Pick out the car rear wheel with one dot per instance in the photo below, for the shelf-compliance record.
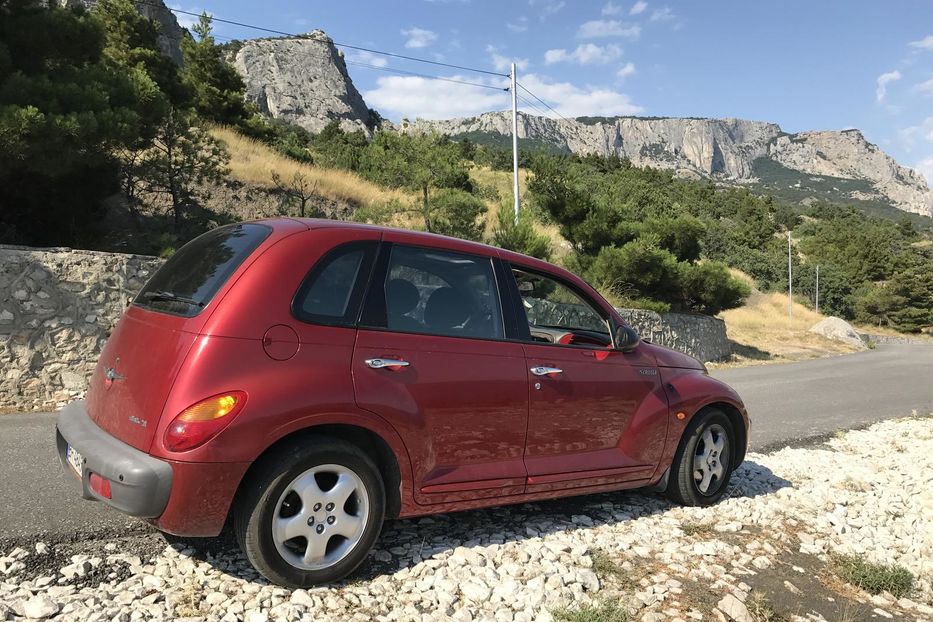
(311, 513)
(702, 466)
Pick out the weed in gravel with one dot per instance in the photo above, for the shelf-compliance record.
(696, 529)
(873, 578)
(189, 604)
(604, 566)
(761, 609)
(607, 611)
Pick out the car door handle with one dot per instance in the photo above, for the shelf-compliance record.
(390, 364)
(546, 371)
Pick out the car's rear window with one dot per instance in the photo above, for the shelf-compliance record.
(190, 279)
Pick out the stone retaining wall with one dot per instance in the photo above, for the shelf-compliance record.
(58, 306)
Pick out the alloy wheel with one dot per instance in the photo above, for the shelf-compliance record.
(320, 517)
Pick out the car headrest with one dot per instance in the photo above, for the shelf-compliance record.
(446, 309)
(401, 296)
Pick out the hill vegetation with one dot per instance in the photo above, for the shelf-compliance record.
(96, 111)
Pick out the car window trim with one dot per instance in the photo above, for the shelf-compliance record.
(523, 317)
(364, 274)
(374, 314)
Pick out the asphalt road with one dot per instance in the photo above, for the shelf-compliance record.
(787, 403)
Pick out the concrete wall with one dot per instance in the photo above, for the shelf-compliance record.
(58, 306)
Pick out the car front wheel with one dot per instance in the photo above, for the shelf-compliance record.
(311, 513)
(702, 466)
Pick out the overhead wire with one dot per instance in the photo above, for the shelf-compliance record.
(524, 88)
(427, 76)
(338, 44)
(536, 109)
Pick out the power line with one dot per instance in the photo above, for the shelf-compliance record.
(427, 76)
(524, 88)
(537, 110)
(342, 45)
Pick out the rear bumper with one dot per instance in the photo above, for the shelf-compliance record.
(140, 484)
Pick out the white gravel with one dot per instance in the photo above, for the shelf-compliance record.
(868, 493)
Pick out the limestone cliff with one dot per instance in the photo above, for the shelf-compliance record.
(303, 80)
(728, 150)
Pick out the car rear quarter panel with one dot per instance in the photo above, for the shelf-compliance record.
(312, 387)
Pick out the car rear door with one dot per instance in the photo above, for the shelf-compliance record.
(433, 358)
(597, 415)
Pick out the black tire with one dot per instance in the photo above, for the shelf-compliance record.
(258, 498)
(682, 484)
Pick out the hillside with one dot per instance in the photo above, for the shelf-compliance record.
(304, 80)
(834, 166)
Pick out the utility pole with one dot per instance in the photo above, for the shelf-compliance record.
(790, 280)
(515, 141)
(817, 288)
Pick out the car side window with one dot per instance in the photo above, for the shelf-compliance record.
(332, 291)
(559, 315)
(442, 293)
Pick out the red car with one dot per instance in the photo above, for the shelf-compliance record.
(306, 379)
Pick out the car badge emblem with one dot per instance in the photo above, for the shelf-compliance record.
(111, 373)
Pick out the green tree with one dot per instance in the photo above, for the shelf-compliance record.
(422, 162)
(519, 236)
(458, 214)
(183, 156)
(64, 111)
(216, 86)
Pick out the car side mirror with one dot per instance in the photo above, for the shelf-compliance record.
(626, 339)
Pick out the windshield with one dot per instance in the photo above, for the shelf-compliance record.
(188, 281)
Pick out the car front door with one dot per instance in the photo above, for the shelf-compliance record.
(432, 357)
(597, 415)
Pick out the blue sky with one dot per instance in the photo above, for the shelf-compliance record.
(804, 64)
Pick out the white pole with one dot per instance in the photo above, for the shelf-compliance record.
(515, 142)
(790, 280)
(817, 288)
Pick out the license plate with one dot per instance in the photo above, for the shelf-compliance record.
(75, 460)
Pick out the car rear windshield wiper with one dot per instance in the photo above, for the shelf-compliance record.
(162, 295)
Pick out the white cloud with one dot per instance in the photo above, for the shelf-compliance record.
(412, 97)
(925, 168)
(503, 63)
(638, 8)
(625, 71)
(585, 54)
(573, 101)
(909, 135)
(925, 43)
(519, 25)
(883, 80)
(663, 14)
(925, 87)
(419, 37)
(367, 58)
(548, 7)
(607, 28)
(611, 8)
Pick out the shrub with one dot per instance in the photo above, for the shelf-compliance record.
(873, 578)
(520, 236)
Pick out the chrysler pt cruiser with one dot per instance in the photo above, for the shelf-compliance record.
(303, 380)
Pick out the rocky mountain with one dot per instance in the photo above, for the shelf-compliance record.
(825, 164)
(303, 80)
(170, 33)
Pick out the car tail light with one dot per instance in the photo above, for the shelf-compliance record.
(200, 422)
(100, 485)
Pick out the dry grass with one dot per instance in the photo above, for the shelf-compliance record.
(252, 162)
(765, 332)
